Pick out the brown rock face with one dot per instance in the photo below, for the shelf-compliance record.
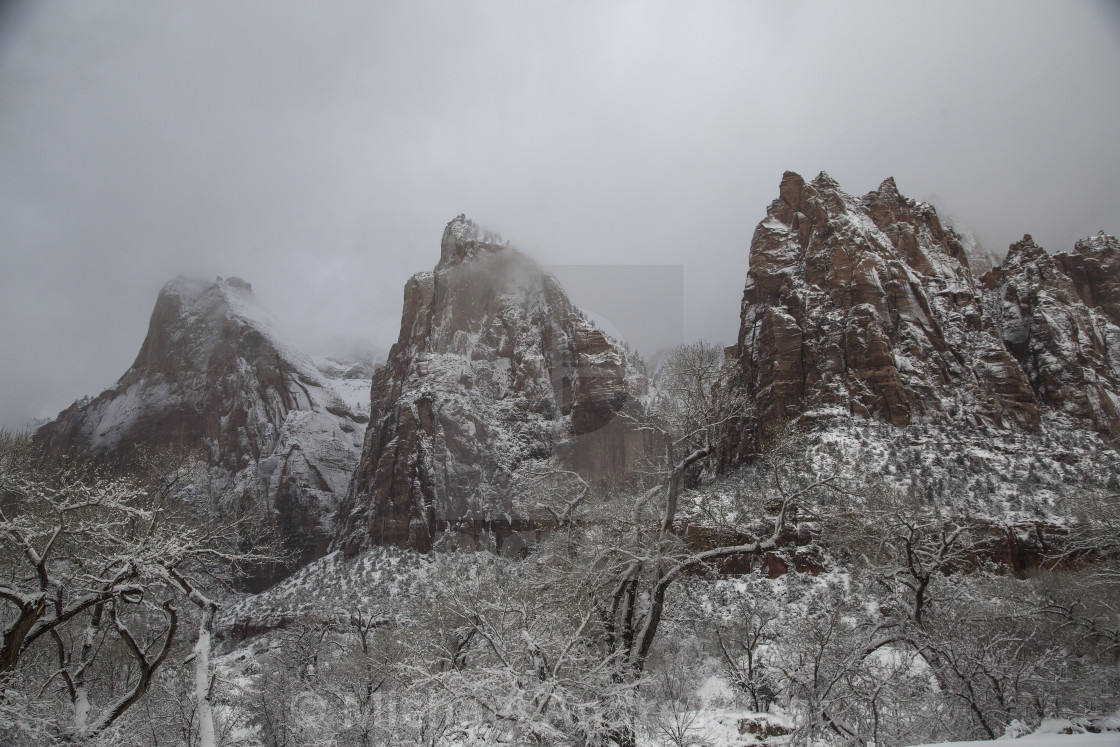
(213, 374)
(494, 373)
(1069, 350)
(867, 306)
(1094, 268)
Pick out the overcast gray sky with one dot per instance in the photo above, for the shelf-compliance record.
(318, 149)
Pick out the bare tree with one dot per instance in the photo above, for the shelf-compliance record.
(59, 537)
(983, 635)
(92, 555)
(740, 645)
(507, 651)
(146, 657)
(694, 410)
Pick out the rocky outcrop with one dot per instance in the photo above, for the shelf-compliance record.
(867, 306)
(213, 374)
(1094, 268)
(494, 374)
(1069, 350)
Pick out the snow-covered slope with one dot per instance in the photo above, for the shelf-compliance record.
(351, 377)
(215, 374)
(383, 585)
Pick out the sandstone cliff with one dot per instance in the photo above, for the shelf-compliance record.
(867, 306)
(1094, 268)
(213, 374)
(1069, 350)
(494, 374)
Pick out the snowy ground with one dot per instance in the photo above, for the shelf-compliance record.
(351, 377)
(720, 728)
(1104, 739)
(1063, 733)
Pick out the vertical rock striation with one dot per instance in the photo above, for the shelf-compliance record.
(1069, 350)
(867, 306)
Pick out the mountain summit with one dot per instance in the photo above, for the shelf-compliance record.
(214, 373)
(494, 373)
(868, 306)
(1063, 331)
(854, 309)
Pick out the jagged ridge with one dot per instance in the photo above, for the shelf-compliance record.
(868, 307)
(1069, 351)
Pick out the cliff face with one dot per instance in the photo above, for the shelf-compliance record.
(1094, 269)
(1069, 350)
(494, 373)
(867, 306)
(213, 374)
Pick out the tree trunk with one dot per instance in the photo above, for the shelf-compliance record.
(202, 677)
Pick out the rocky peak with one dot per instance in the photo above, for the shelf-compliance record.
(189, 319)
(1026, 251)
(1094, 269)
(494, 374)
(867, 306)
(1069, 350)
(887, 206)
(214, 374)
(789, 191)
(463, 239)
(1031, 266)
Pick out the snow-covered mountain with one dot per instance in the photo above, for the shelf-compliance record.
(913, 446)
(1067, 344)
(493, 375)
(868, 308)
(857, 312)
(215, 374)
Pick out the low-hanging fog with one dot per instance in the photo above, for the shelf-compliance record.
(318, 149)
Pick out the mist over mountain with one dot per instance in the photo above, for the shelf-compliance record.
(892, 434)
(214, 375)
(855, 311)
(670, 443)
(495, 375)
(317, 151)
